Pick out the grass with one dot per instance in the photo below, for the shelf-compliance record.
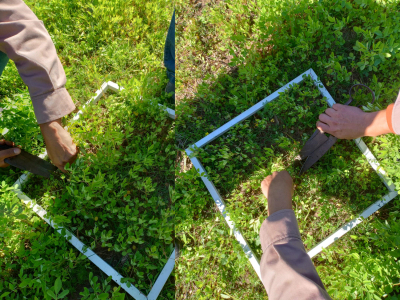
(117, 196)
(235, 53)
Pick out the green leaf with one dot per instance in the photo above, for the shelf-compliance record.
(57, 285)
(51, 294)
(4, 131)
(103, 296)
(24, 283)
(4, 294)
(63, 294)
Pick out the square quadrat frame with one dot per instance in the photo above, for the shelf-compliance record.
(243, 116)
(81, 247)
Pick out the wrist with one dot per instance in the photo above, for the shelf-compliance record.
(50, 126)
(51, 123)
(278, 203)
(366, 124)
(375, 123)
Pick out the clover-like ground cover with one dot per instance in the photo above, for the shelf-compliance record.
(117, 198)
(109, 40)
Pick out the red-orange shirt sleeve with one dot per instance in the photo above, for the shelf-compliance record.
(395, 116)
(389, 113)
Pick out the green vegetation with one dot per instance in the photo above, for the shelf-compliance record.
(235, 53)
(117, 197)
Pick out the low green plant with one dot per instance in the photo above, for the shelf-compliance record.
(234, 54)
(54, 292)
(117, 196)
(101, 291)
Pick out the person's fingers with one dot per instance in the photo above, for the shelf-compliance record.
(4, 142)
(6, 154)
(277, 177)
(323, 127)
(265, 184)
(71, 158)
(286, 175)
(278, 189)
(337, 106)
(330, 112)
(8, 143)
(325, 119)
(9, 153)
(61, 168)
(74, 157)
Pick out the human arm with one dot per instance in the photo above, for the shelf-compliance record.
(286, 269)
(26, 41)
(8, 153)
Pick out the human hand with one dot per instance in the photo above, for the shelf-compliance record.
(60, 147)
(8, 153)
(344, 122)
(278, 189)
(349, 122)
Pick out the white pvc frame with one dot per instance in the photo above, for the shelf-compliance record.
(93, 257)
(243, 116)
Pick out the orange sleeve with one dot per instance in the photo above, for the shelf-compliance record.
(389, 113)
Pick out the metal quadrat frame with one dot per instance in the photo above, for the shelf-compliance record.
(252, 110)
(81, 247)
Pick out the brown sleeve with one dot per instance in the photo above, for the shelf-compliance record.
(395, 116)
(26, 41)
(286, 269)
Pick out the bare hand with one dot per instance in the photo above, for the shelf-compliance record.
(60, 147)
(8, 153)
(344, 122)
(278, 188)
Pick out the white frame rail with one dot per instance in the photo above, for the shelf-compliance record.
(93, 257)
(243, 116)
